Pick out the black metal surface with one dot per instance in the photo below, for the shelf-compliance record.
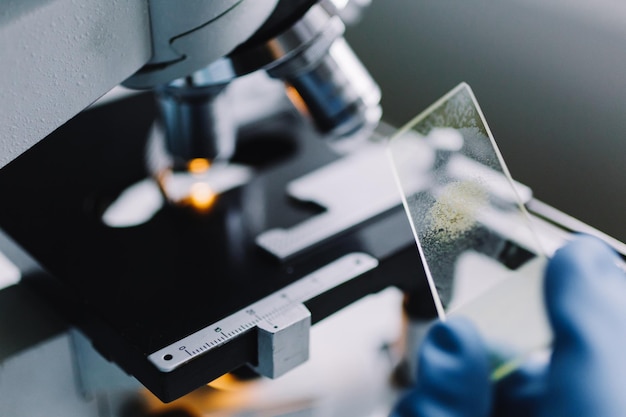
(135, 290)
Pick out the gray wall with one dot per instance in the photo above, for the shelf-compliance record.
(551, 80)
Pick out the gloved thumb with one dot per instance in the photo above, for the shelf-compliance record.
(453, 374)
(586, 303)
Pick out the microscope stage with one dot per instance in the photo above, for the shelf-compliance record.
(140, 290)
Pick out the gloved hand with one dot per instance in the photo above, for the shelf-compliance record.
(585, 294)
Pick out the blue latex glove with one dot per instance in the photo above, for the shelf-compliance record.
(585, 294)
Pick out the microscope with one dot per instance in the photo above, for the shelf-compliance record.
(204, 223)
(236, 195)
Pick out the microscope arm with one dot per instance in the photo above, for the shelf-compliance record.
(59, 56)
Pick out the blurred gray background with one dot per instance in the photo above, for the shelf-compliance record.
(550, 78)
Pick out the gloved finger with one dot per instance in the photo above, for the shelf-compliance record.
(583, 283)
(453, 374)
(586, 303)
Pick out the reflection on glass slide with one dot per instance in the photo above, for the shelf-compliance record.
(474, 235)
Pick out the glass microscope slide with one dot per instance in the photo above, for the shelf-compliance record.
(480, 254)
